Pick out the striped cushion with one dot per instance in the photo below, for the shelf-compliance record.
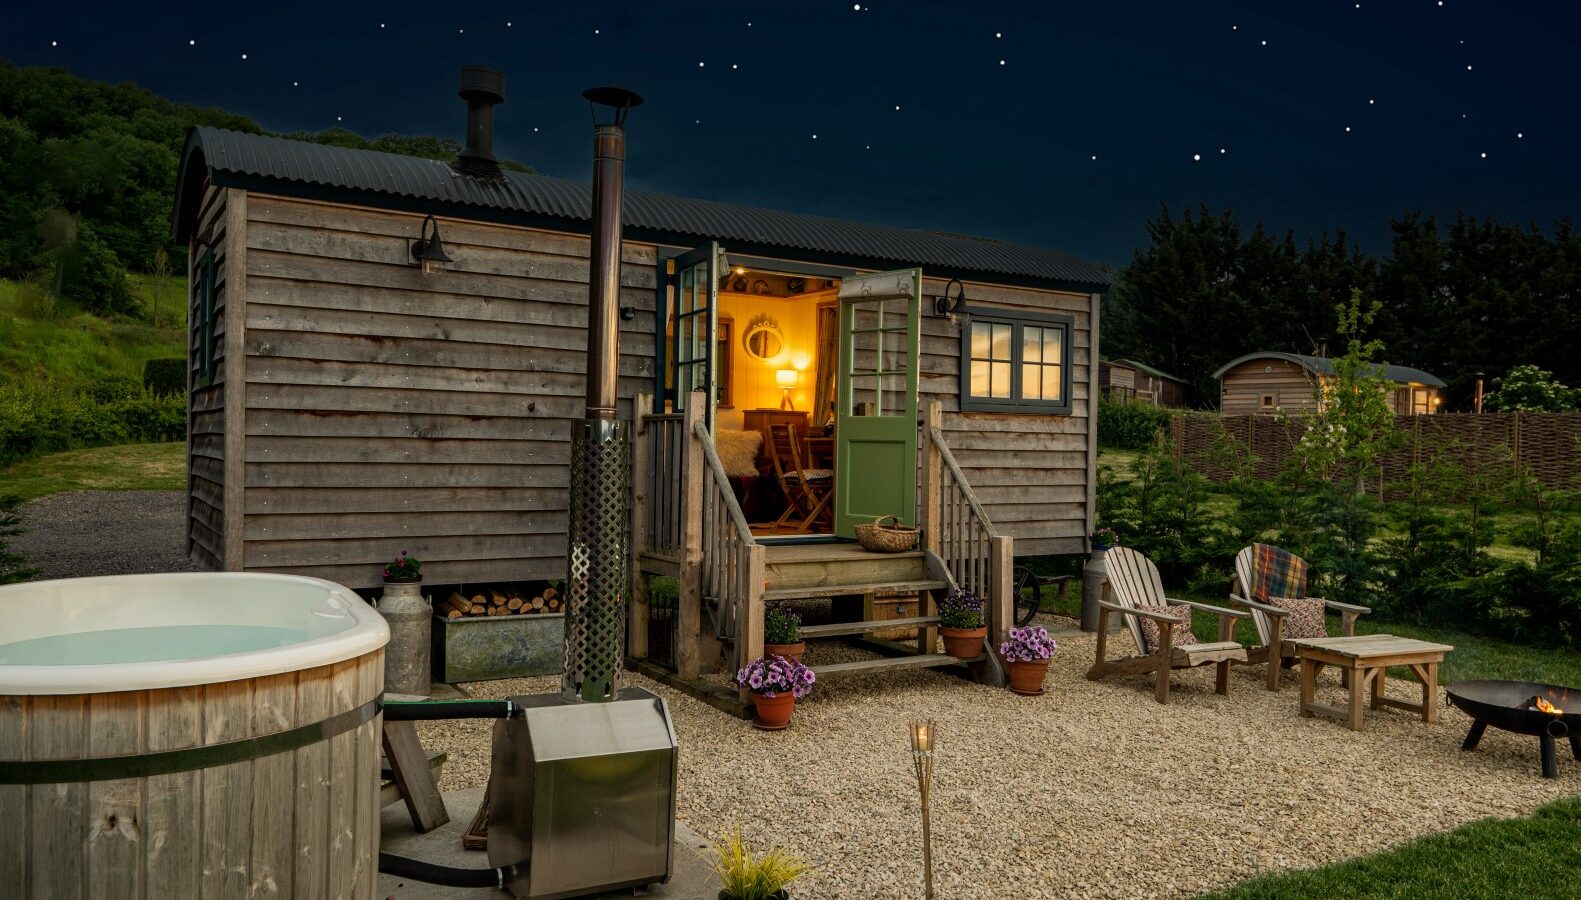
(812, 475)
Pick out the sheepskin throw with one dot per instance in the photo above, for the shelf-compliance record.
(738, 451)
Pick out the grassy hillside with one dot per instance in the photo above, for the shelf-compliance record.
(76, 348)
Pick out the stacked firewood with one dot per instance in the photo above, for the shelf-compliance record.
(500, 602)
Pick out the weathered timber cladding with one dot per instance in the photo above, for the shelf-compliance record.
(300, 823)
(1030, 471)
(370, 409)
(206, 400)
(1293, 388)
(388, 410)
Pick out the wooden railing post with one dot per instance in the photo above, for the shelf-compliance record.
(689, 623)
(749, 622)
(1001, 574)
(641, 478)
(932, 478)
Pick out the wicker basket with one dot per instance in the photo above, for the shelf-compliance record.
(887, 535)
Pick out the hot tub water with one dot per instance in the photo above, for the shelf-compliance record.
(156, 643)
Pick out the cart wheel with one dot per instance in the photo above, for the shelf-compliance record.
(1029, 595)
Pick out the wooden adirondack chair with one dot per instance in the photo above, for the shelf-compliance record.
(1133, 590)
(1270, 620)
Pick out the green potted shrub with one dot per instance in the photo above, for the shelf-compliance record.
(782, 634)
(961, 624)
(743, 876)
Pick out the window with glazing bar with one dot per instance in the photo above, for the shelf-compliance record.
(1013, 361)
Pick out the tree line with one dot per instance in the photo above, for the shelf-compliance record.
(1455, 298)
(88, 175)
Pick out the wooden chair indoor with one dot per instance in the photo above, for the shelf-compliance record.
(807, 491)
(1134, 590)
(1270, 620)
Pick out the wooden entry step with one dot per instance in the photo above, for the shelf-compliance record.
(838, 565)
(867, 666)
(845, 628)
(809, 591)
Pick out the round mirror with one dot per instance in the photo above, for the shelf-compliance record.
(763, 340)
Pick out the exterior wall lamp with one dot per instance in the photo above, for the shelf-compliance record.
(428, 251)
(947, 307)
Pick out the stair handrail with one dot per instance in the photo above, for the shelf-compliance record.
(958, 532)
(722, 483)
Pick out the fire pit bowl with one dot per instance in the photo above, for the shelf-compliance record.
(1512, 706)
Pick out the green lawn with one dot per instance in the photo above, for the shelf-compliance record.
(78, 347)
(130, 467)
(1534, 856)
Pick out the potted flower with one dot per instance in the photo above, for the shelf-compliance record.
(1027, 655)
(409, 616)
(781, 634)
(1103, 539)
(743, 876)
(961, 624)
(775, 683)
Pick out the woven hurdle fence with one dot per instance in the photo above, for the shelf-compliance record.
(1547, 445)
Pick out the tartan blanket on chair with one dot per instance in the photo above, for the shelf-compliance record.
(1276, 573)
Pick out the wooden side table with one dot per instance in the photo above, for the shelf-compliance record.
(1365, 658)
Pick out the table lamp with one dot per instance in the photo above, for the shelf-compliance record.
(786, 379)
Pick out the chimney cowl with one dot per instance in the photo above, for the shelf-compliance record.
(483, 89)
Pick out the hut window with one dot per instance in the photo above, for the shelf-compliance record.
(205, 338)
(1015, 362)
(1270, 401)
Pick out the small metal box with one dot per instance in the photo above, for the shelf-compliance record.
(582, 796)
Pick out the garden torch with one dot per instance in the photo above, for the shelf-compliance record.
(924, 736)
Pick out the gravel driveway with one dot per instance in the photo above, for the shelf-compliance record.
(85, 533)
(1092, 790)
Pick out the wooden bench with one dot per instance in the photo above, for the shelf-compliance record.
(1365, 659)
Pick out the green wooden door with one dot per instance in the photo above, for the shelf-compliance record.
(876, 412)
(694, 316)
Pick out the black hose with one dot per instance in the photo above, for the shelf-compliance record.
(403, 711)
(451, 876)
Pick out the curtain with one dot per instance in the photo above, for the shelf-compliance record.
(828, 362)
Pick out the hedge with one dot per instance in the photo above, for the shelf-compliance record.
(38, 418)
(1129, 424)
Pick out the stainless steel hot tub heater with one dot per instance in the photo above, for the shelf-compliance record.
(582, 797)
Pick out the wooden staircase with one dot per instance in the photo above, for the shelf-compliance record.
(817, 571)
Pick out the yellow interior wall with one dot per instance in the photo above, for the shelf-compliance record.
(752, 381)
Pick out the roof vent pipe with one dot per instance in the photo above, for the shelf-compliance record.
(483, 88)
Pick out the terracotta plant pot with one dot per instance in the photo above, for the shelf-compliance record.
(1026, 678)
(964, 643)
(789, 651)
(774, 713)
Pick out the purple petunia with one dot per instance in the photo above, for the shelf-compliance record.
(1028, 645)
(769, 675)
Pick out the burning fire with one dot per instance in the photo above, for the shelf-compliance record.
(1544, 706)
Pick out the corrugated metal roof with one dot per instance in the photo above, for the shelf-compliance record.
(1325, 366)
(238, 159)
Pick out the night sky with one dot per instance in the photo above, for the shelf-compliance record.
(1054, 124)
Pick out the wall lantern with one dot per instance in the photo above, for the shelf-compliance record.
(428, 251)
(946, 306)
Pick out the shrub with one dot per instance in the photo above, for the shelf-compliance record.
(166, 376)
(1129, 424)
(38, 418)
(13, 567)
(1531, 389)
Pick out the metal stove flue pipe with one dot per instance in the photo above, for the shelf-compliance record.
(600, 500)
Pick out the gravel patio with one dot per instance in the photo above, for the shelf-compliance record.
(1090, 791)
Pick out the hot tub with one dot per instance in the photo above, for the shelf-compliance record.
(194, 734)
